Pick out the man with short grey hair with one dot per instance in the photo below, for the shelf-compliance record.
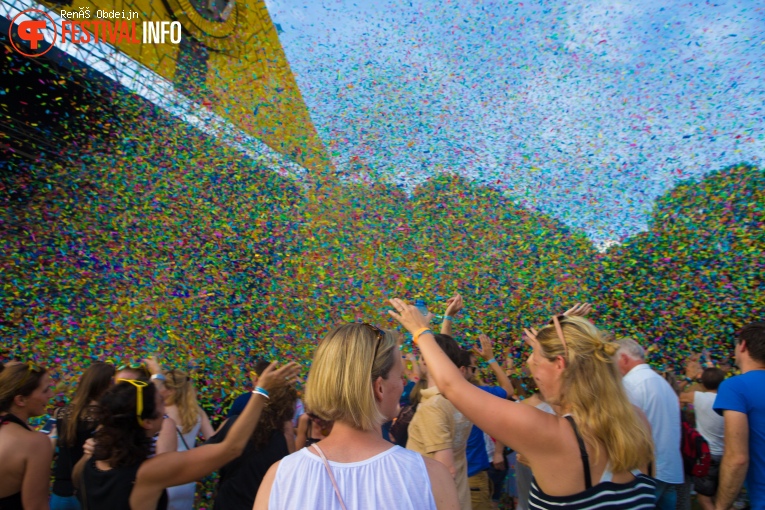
(652, 393)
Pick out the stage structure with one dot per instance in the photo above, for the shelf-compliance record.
(228, 76)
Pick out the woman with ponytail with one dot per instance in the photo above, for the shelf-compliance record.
(25, 390)
(182, 406)
(596, 449)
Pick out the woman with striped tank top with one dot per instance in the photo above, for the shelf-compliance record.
(595, 435)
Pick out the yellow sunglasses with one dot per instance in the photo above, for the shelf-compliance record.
(140, 385)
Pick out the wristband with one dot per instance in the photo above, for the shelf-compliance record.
(261, 392)
(418, 333)
(158, 377)
(448, 318)
(492, 360)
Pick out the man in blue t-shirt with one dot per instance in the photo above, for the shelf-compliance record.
(741, 401)
(477, 457)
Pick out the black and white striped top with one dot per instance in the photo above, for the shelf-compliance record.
(638, 494)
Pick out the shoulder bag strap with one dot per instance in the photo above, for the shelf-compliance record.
(331, 476)
(182, 438)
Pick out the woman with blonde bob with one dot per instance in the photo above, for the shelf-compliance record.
(356, 381)
(593, 451)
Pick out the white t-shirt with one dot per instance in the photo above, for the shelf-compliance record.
(709, 424)
(651, 393)
(396, 478)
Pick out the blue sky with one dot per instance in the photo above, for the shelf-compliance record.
(585, 110)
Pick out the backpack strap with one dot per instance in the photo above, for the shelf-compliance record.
(329, 471)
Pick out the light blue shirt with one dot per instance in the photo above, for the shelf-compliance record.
(651, 393)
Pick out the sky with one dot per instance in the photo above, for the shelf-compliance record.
(584, 110)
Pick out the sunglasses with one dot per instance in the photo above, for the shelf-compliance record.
(556, 320)
(139, 385)
(139, 367)
(379, 334)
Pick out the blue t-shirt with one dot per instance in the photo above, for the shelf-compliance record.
(477, 458)
(744, 394)
(404, 400)
(239, 404)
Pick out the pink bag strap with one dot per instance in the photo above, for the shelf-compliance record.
(329, 472)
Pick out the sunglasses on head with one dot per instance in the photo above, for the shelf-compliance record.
(379, 334)
(139, 385)
(556, 320)
(32, 368)
(139, 367)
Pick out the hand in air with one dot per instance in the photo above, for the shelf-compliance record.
(486, 352)
(273, 378)
(579, 310)
(407, 315)
(453, 305)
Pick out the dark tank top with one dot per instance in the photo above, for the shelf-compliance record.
(12, 502)
(111, 489)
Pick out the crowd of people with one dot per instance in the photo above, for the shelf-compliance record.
(586, 423)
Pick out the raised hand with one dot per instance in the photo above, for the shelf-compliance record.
(407, 315)
(453, 305)
(273, 378)
(89, 447)
(153, 365)
(579, 310)
(486, 351)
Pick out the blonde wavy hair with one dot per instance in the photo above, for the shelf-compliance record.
(346, 362)
(184, 397)
(592, 389)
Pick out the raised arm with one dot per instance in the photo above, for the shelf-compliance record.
(157, 377)
(453, 306)
(522, 428)
(486, 352)
(167, 440)
(183, 467)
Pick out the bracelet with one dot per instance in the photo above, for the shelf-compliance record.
(419, 332)
(448, 318)
(159, 377)
(261, 392)
(492, 360)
